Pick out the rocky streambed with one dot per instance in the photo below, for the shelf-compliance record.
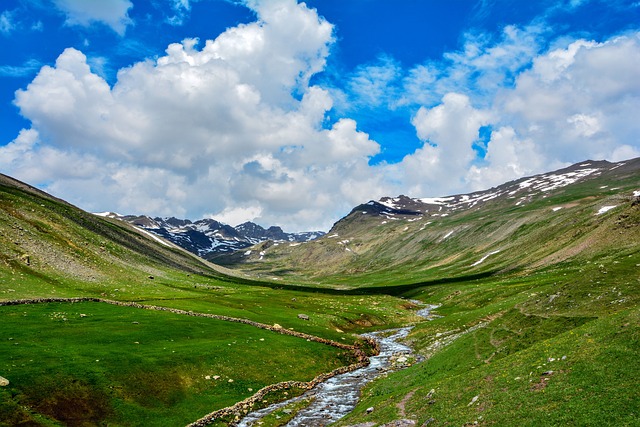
(336, 397)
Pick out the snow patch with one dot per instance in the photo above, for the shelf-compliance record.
(557, 208)
(447, 235)
(636, 193)
(153, 236)
(605, 209)
(437, 200)
(108, 214)
(481, 260)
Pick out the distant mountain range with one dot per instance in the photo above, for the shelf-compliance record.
(226, 245)
(208, 237)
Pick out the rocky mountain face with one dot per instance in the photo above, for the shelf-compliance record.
(208, 237)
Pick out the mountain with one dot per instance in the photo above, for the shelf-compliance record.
(45, 239)
(208, 237)
(538, 220)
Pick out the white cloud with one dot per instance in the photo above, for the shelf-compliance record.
(481, 68)
(218, 130)
(29, 67)
(507, 157)
(574, 103)
(113, 13)
(449, 131)
(579, 102)
(181, 8)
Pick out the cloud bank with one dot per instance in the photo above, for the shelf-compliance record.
(238, 129)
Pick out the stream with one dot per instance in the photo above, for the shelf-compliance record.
(336, 397)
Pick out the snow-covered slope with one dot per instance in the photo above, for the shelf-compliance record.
(207, 237)
(518, 192)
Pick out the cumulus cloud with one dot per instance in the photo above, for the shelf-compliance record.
(230, 128)
(113, 13)
(572, 103)
(449, 131)
(578, 102)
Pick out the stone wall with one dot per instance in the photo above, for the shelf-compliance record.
(243, 407)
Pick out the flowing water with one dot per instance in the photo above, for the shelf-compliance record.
(336, 397)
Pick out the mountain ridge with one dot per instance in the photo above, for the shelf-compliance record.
(208, 237)
(392, 232)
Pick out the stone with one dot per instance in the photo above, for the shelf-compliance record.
(400, 423)
(276, 326)
(431, 393)
(370, 409)
(475, 398)
(303, 317)
(4, 382)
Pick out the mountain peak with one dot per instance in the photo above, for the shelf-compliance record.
(208, 237)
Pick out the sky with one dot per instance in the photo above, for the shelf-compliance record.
(292, 113)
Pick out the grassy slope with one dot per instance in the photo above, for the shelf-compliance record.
(531, 235)
(87, 363)
(565, 283)
(49, 248)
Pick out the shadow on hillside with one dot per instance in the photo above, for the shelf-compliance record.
(394, 290)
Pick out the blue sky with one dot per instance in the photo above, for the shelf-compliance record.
(292, 113)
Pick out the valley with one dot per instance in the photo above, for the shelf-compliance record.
(535, 285)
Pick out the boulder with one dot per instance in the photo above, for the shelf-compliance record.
(4, 382)
(303, 317)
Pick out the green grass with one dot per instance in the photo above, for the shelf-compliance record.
(87, 363)
(595, 383)
(585, 312)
